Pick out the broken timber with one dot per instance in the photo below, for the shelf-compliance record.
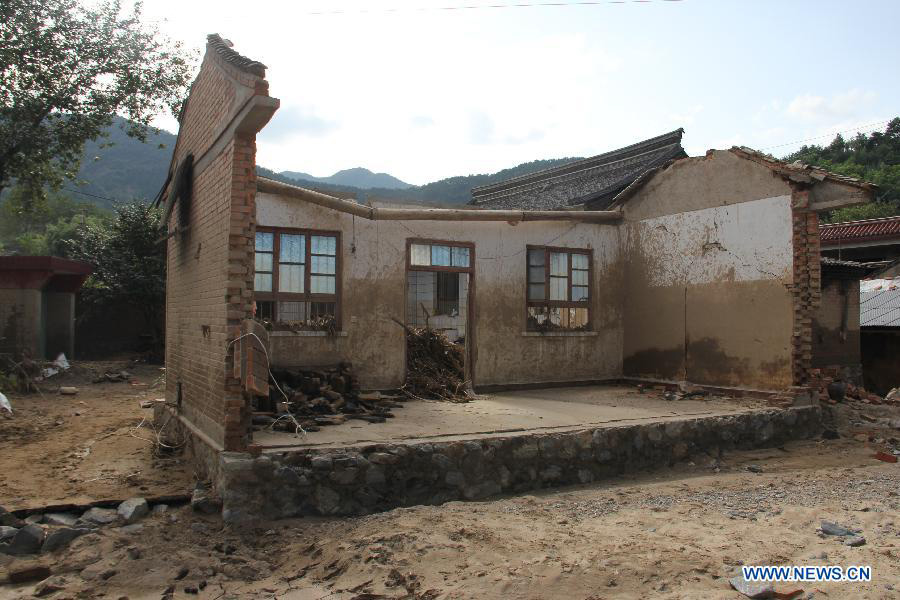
(434, 214)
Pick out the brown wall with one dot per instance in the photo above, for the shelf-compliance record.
(373, 280)
(708, 271)
(836, 339)
(21, 318)
(208, 266)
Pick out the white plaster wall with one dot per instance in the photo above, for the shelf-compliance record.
(738, 242)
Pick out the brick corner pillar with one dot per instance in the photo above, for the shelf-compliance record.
(806, 290)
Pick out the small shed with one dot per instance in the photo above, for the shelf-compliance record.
(37, 304)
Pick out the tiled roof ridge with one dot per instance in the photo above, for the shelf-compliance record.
(798, 171)
(512, 189)
(224, 49)
(859, 222)
(641, 147)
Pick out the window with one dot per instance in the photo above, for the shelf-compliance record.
(558, 289)
(437, 284)
(296, 279)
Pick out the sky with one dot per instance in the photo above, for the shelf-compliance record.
(408, 88)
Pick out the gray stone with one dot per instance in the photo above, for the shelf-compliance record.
(829, 528)
(28, 540)
(61, 537)
(374, 476)
(383, 458)
(7, 533)
(344, 476)
(203, 502)
(328, 502)
(441, 461)
(34, 519)
(160, 509)
(482, 490)
(49, 586)
(100, 516)
(321, 463)
(856, 540)
(455, 478)
(551, 473)
(66, 519)
(133, 528)
(752, 589)
(133, 510)
(585, 476)
(8, 519)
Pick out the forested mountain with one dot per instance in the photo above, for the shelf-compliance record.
(874, 158)
(357, 177)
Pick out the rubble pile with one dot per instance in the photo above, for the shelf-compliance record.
(832, 388)
(435, 367)
(321, 397)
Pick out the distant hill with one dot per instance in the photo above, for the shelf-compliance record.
(358, 178)
(123, 169)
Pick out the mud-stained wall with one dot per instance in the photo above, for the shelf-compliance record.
(836, 338)
(709, 263)
(373, 280)
(21, 321)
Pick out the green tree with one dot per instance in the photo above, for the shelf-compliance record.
(874, 157)
(66, 70)
(38, 226)
(129, 263)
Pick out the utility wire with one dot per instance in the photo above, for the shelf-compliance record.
(483, 6)
(860, 129)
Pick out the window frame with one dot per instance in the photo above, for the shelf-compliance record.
(547, 302)
(448, 269)
(306, 296)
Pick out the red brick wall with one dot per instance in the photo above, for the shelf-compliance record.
(209, 278)
(807, 287)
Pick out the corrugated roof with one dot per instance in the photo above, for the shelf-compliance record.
(880, 308)
(868, 229)
(594, 181)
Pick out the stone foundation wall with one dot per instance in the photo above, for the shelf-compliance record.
(384, 476)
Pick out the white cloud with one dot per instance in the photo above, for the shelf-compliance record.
(847, 104)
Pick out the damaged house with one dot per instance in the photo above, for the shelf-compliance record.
(641, 264)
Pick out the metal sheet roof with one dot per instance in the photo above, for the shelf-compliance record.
(879, 303)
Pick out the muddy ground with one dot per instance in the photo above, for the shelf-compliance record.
(676, 533)
(89, 446)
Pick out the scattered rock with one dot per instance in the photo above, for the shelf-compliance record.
(61, 537)
(34, 519)
(100, 516)
(27, 540)
(108, 574)
(50, 586)
(160, 509)
(752, 589)
(754, 468)
(133, 528)
(28, 571)
(68, 390)
(829, 528)
(203, 502)
(65, 519)
(7, 533)
(134, 552)
(133, 509)
(7, 519)
(182, 573)
(856, 540)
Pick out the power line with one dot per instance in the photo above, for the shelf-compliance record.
(91, 195)
(860, 129)
(483, 6)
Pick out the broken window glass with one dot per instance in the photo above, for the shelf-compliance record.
(566, 274)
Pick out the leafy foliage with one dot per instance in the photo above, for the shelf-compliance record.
(65, 70)
(129, 263)
(874, 157)
(40, 226)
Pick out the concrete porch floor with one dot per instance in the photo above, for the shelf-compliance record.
(495, 415)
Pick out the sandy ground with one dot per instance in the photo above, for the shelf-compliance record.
(675, 533)
(86, 447)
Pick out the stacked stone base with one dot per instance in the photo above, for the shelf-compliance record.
(361, 480)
